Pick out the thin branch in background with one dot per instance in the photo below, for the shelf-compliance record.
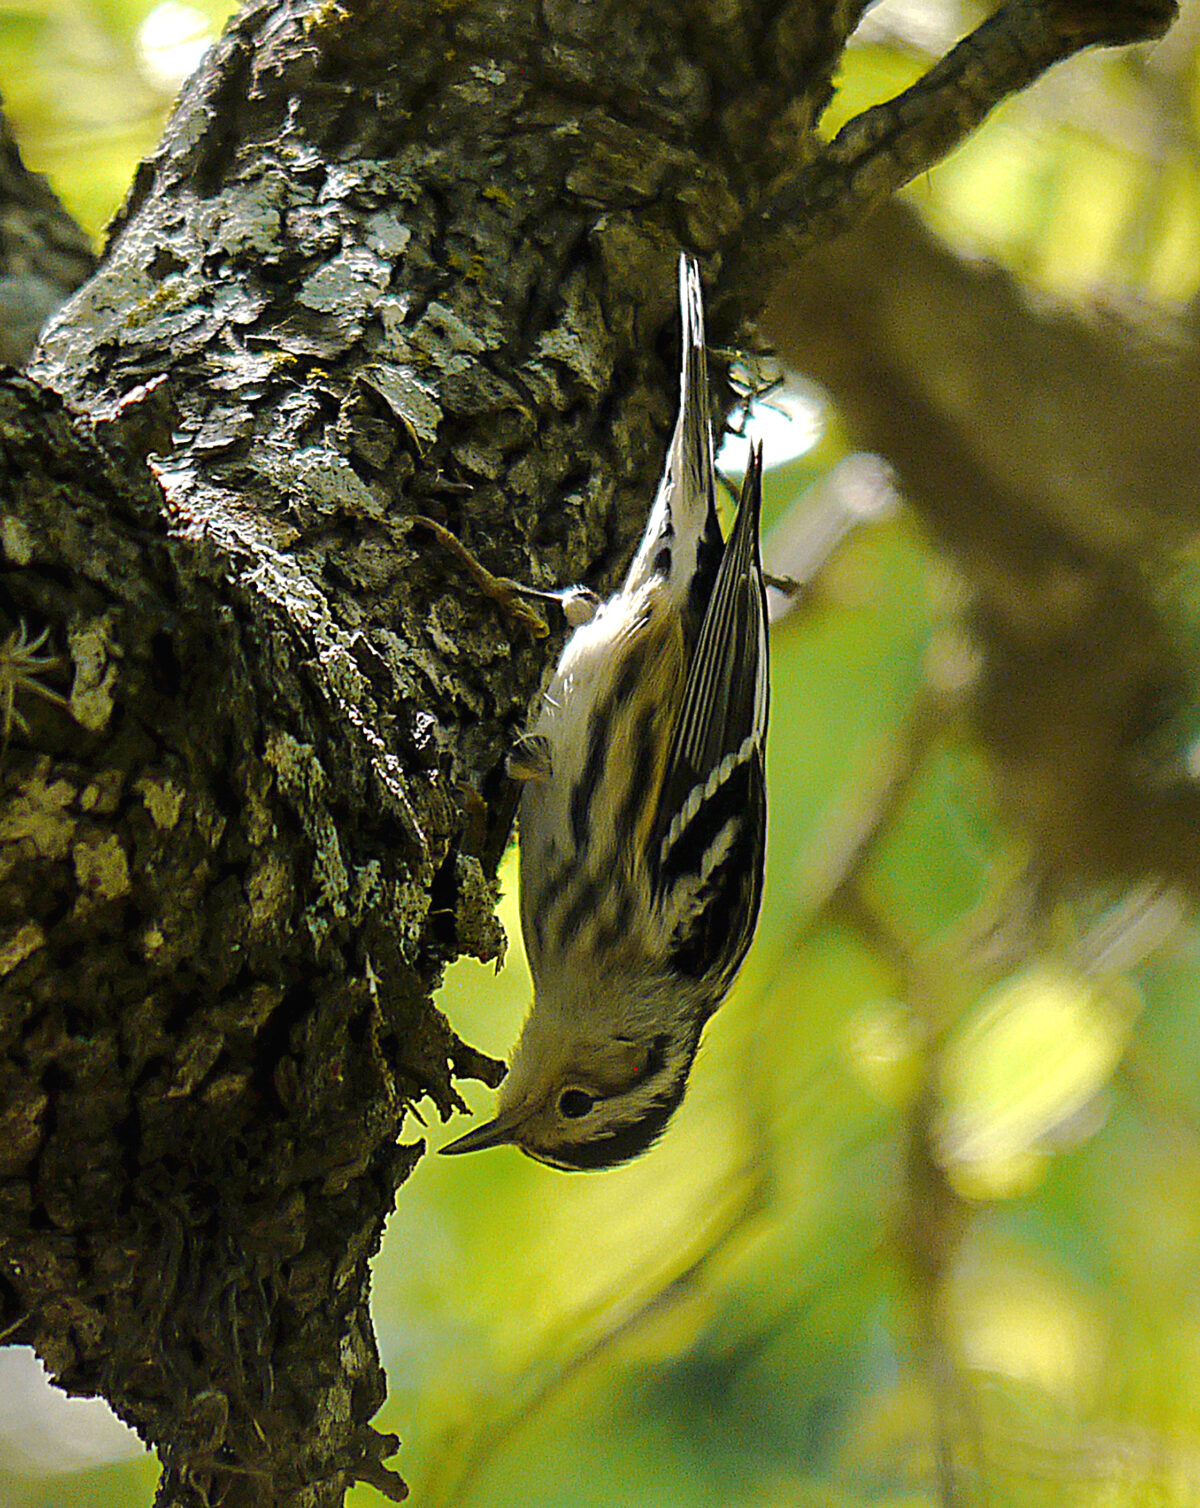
(859, 490)
(933, 1218)
(735, 1204)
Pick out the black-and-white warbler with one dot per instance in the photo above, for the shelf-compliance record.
(642, 816)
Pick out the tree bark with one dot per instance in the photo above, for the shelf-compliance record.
(390, 262)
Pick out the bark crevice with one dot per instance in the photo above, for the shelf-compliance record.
(389, 261)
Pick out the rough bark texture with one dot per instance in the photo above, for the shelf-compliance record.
(391, 262)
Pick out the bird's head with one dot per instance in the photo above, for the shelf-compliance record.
(580, 1097)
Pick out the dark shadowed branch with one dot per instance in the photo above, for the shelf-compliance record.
(881, 150)
(44, 255)
(390, 261)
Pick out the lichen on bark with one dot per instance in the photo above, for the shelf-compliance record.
(391, 261)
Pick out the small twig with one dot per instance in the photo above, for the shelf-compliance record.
(10, 1330)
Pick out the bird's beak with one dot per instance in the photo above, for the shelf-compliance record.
(498, 1133)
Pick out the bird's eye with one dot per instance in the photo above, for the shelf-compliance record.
(575, 1102)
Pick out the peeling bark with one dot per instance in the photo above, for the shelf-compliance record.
(390, 262)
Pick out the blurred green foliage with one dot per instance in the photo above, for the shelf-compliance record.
(87, 85)
(926, 1228)
(789, 1301)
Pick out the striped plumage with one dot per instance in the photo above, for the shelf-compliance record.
(642, 816)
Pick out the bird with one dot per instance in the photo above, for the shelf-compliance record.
(642, 814)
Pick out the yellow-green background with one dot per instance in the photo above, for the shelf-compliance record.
(744, 1317)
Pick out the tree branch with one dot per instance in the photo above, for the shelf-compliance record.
(878, 152)
(1054, 456)
(44, 255)
(391, 262)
